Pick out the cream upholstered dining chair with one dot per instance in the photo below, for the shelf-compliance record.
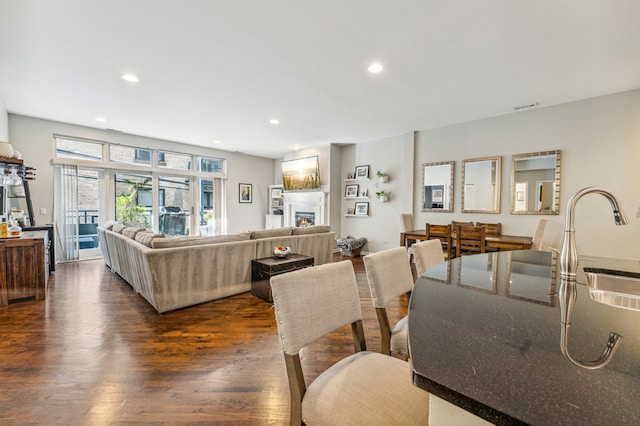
(427, 254)
(389, 276)
(548, 235)
(365, 387)
(406, 224)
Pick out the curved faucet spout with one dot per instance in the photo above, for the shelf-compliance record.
(568, 268)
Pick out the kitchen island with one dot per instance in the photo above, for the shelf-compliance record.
(484, 335)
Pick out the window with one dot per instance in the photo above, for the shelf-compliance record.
(133, 205)
(211, 165)
(175, 207)
(171, 160)
(130, 155)
(81, 150)
(169, 195)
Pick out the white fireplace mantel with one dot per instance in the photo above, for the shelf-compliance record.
(307, 201)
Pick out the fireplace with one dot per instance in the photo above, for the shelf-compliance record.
(304, 208)
(305, 219)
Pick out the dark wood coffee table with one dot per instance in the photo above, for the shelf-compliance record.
(263, 269)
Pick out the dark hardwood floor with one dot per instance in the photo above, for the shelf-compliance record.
(96, 353)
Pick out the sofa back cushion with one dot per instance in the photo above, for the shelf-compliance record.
(109, 224)
(118, 227)
(146, 237)
(131, 232)
(197, 241)
(270, 233)
(316, 229)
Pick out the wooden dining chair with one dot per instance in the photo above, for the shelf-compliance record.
(455, 223)
(442, 233)
(364, 387)
(494, 229)
(389, 277)
(428, 254)
(470, 240)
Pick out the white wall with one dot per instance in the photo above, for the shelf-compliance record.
(600, 143)
(34, 139)
(4, 122)
(382, 226)
(599, 139)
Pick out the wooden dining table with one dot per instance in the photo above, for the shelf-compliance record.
(499, 242)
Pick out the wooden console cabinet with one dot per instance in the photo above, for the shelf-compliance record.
(23, 267)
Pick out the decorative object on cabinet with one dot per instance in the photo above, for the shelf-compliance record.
(351, 191)
(245, 193)
(382, 177)
(276, 191)
(362, 209)
(535, 183)
(274, 218)
(437, 193)
(362, 172)
(276, 200)
(481, 185)
(14, 183)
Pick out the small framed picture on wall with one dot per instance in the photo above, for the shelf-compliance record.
(362, 172)
(362, 209)
(245, 193)
(351, 191)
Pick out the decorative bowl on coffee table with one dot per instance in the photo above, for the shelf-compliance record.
(281, 251)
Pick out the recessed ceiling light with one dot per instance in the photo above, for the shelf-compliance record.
(375, 67)
(216, 142)
(130, 77)
(101, 119)
(274, 121)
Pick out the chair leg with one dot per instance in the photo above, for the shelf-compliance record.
(385, 331)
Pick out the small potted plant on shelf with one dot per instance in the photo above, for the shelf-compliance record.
(382, 177)
(383, 195)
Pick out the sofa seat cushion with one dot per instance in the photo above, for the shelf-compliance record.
(270, 233)
(171, 242)
(316, 229)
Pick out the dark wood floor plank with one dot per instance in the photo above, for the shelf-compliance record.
(94, 352)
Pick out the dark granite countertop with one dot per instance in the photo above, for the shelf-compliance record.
(484, 334)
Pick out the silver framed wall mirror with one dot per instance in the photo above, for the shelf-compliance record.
(437, 191)
(535, 183)
(481, 185)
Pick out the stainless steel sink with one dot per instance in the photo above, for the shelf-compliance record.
(614, 288)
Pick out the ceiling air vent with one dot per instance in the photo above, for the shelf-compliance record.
(527, 106)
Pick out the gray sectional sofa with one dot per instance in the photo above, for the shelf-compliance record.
(176, 272)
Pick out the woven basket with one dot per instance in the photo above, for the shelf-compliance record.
(6, 150)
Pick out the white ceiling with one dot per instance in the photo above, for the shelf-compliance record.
(220, 70)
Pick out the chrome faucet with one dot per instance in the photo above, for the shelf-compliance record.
(568, 268)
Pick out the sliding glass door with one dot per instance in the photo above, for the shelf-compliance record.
(134, 199)
(174, 199)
